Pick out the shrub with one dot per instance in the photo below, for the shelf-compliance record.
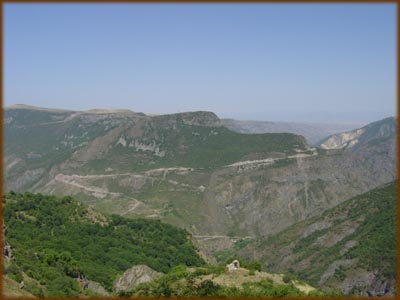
(286, 278)
(207, 288)
(14, 272)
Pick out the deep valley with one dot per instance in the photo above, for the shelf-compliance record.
(300, 210)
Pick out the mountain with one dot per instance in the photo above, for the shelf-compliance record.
(351, 246)
(62, 248)
(313, 132)
(130, 163)
(99, 140)
(378, 131)
(187, 170)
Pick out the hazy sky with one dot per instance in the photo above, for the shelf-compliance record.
(304, 62)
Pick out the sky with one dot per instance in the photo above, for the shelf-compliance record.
(277, 62)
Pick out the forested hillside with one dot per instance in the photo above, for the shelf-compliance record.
(55, 240)
(351, 246)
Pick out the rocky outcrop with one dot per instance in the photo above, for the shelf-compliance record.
(134, 276)
(342, 140)
(7, 251)
(385, 128)
(96, 288)
(317, 226)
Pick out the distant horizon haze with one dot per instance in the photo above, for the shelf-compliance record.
(321, 117)
(269, 62)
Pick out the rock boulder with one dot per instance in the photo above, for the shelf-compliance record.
(133, 277)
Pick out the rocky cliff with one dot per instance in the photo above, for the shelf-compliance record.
(380, 130)
(351, 247)
(133, 277)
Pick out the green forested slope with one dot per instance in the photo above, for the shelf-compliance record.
(55, 239)
(43, 139)
(351, 246)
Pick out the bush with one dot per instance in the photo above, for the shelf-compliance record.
(253, 265)
(179, 271)
(14, 273)
(34, 289)
(207, 288)
(201, 272)
(286, 278)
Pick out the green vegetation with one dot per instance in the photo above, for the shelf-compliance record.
(372, 215)
(230, 254)
(225, 147)
(200, 282)
(14, 272)
(198, 147)
(56, 239)
(377, 236)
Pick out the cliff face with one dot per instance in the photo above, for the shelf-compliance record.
(264, 200)
(382, 129)
(351, 247)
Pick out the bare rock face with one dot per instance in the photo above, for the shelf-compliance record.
(133, 277)
(377, 130)
(343, 140)
(97, 288)
(7, 251)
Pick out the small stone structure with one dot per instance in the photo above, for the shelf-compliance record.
(234, 265)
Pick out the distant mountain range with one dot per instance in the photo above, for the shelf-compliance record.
(189, 170)
(313, 132)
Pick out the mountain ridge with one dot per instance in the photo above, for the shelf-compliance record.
(190, 171)
(313, 132)
(353, 139)
(102, 111)
(219, 185)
